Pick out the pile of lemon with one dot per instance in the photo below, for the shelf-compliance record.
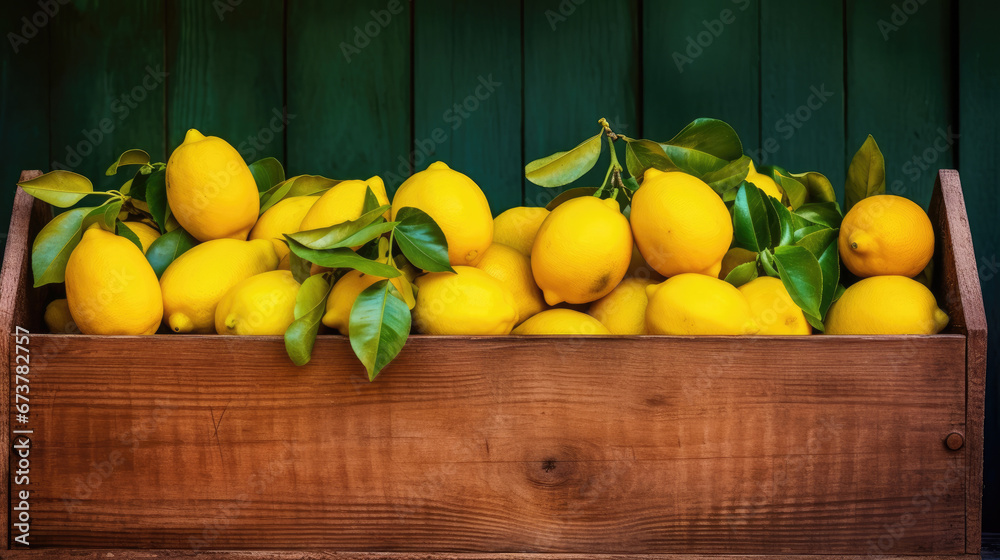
(582, 268)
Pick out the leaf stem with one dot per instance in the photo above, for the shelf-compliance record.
(614, 169)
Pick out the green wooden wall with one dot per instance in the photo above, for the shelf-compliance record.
(353, 89)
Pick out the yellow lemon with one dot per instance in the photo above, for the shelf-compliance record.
(623, 311)
(582, 250)
(886, 235)
(210, 189)
(561, 321)
(764, 183)
(59, 319)
(263, 304)
(466, 302)
(343, 203)
(772, 307)
(733, 258)
(639, 268)
(146, 234)
(518, 226)
(457, 205)
(693, 304)
(345, 291)
(284, 217)
(513, 270)
(680, 224)
(195, 283)
(111, 288)
(886, 305)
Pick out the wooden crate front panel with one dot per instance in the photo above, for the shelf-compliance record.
(673, 445)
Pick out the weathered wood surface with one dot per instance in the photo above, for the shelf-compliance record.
(78, 554)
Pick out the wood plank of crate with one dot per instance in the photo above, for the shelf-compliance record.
(79, 554)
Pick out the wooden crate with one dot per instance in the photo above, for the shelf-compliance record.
(502, 447)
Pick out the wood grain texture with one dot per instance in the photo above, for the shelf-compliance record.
(467, 93)
(802, 88)
(959, 283)
(83, 554)
(351, 75)
(716, 452)
(902, 96)
(719, 76)
(581, 63)
(979, 117)
(108, 86)
(226, 74)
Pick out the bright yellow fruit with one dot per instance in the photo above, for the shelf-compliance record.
(111, 288)
(886, 305)
(146, 234)
(694, 304)
(343, 203)
(345, 291)
(561, 321)
(263, 304)
(582, 250)
(772, 307)
(886, 235)
(518, 226)
(284, 217)
(59, 319)
(513, 270)
(623, 311)
(466, 302)
(210, 189)
(457, 205)
(764, 183)
(195, 283)
(680, 224)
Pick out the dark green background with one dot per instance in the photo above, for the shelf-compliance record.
(556, 66)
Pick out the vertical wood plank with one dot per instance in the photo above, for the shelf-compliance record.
(467, 93)
(107, 85)
(226, 74)
(701, 59)
(580, 64)
(349, 85)
(899, 90)
(24, 105)
(979, 119)
(802, 87)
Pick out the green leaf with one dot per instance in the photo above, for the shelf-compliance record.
(345, 234)
(301, 268)
(111, 212)
(630, 183)
(802, 232)
(562, 168)
(818, 187)
(814, 322)
(156, 198)
(823, 213)
(709, 136)
(802, 276)
(422, 241)
(310, 304)
(53, 245)
(267, 173)
(300, 185)
(783, 218)
(823, 245)
(342, 258)
(728, 177)
(130, 157)
(751, 224)
(766, 259)
(742, 274)
(818, 241)
(866, 175)
(167, 247)
(60, 188)
(371, 201)
(122, 230)
(379, 326)
(642, 155)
